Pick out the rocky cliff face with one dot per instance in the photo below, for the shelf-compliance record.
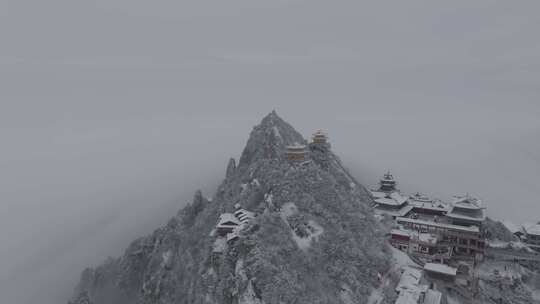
(313, 240)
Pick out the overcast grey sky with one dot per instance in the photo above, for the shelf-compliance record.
(113, 112)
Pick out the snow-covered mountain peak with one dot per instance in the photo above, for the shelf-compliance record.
(269, 139)
(278, 230)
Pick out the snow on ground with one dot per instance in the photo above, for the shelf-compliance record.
(220, 244)
(166, 258)
(288, 209)
(536, 294)
(510, 281)
(400, 261)
(314, 229)
(255, 182)
(211, 272)
(520, 245)
(249, 296)
(534, 290)
(377, 296)
(243, 187)
(410, 278)
(268, 198)
(508, 245)
(497, 270)
(451, 300)
(304, 242)
(498, 244)
(239, 269)
(378, 217)
(276, 133)
(345, 295)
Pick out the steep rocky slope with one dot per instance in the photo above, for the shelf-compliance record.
(314, 239)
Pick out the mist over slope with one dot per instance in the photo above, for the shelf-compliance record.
(107, 106)
(314, 239)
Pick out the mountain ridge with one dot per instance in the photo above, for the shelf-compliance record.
(314, 239)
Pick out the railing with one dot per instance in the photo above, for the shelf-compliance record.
(447, 243)
(512, 255)
(440, 230)
(435, 256)
(460, 245)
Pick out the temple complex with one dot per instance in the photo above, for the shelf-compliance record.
(430, 230)
(450, 241)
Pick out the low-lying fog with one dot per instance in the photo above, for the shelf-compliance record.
(113, 112)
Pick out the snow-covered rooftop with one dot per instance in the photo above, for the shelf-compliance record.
(410, 291)
(408, 297)
(409, 279)
(319, 133)
(243, 215)
(440, 268)
(477, 215)
(400, 232)
(467, 202)
(392, 199)
(387, 201)
(388, 177)
(296, 146)
(429, 205)
(228, 218)
(413, 296)
(400, 199)
(420, 197)
(532, 229)
(393, 212)
(378, 194)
